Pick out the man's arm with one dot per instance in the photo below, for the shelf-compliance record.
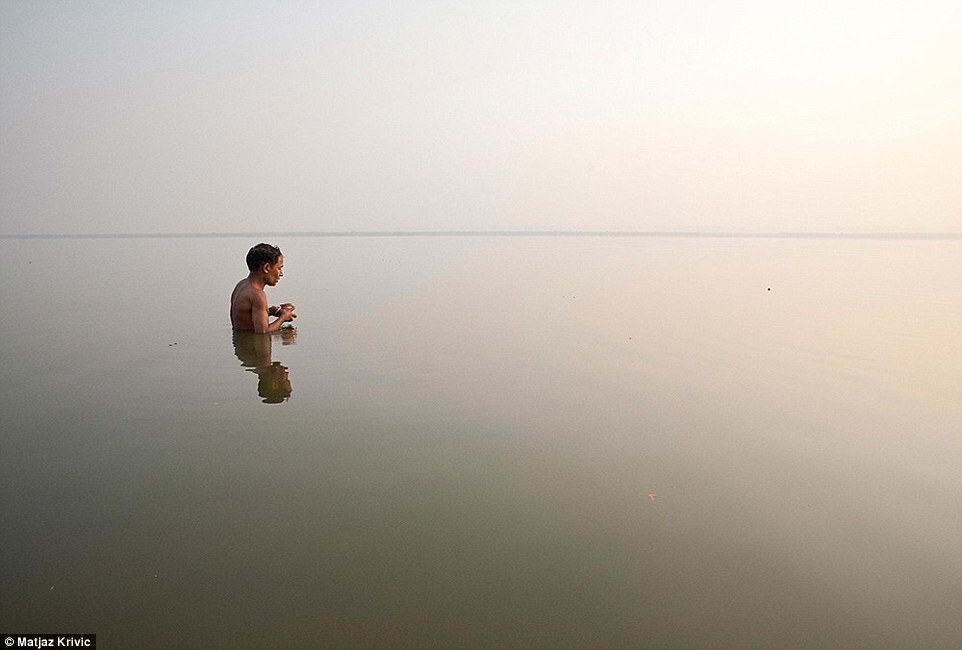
(260, 310)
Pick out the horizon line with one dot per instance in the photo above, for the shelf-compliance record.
(503, 233)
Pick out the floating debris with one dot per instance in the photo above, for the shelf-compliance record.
(652, 496)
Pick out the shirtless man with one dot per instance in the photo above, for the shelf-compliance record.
(249, 310)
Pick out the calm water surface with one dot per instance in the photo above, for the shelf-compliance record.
(504, 441)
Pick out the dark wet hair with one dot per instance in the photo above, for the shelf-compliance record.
(262, 254)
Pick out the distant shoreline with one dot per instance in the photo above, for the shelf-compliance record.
(502, 233)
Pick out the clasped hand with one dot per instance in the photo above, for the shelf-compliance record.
(284, 311)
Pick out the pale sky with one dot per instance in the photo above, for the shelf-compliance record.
(204, 116)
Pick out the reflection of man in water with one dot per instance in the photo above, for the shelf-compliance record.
(254, 352)
(249, 310)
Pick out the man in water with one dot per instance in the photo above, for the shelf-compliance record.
(249, 310)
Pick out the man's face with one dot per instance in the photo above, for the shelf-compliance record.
(274, 272)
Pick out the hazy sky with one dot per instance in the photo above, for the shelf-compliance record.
(204, 116)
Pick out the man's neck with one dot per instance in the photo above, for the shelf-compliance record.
(256, 280)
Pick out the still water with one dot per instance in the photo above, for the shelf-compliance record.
(485, 442)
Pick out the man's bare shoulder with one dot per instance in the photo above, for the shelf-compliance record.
(246, 290)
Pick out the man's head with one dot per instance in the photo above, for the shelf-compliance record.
(262, 254)
(268, 259)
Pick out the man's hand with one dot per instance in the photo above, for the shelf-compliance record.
(276, 310)
(286, 312)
